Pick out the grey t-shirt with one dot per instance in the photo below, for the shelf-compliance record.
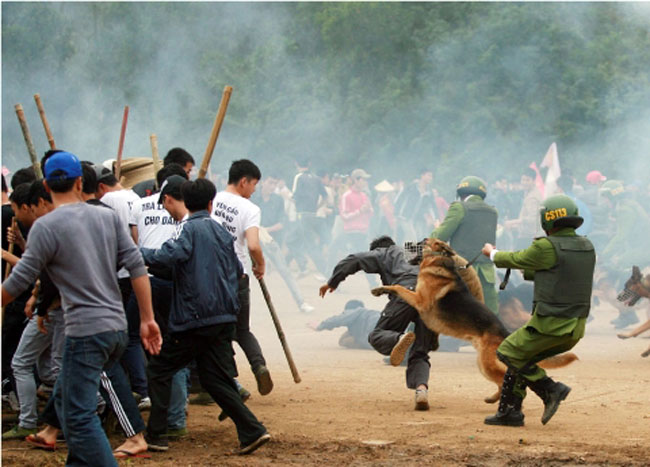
(81, 247)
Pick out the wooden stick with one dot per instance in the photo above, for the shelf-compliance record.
(118, 164)
(46, 125)
(28, 140)
(156, 158)
(218, 121)
(278, 328)
(10, 249)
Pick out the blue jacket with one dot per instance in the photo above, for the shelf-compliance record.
(205, 273)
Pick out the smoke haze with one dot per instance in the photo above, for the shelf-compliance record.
(302, 88)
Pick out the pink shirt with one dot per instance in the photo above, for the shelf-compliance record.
(354, 220)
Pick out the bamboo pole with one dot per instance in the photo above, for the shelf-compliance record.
(278, 328)
(28, 140)
(216, 128)
(118, 164)
(156, 158)
(46, 125)
(10, 248)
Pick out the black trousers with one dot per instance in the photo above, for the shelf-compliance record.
(212, 348)
(245, 338)
(393, 321)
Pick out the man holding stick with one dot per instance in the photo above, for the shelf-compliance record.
(241, 218)
(95, 323)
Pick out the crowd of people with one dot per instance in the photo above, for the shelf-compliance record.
(103, 270)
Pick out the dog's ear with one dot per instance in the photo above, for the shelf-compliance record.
(636, 273)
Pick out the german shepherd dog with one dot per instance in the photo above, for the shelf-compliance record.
(636, 287)
(449, 299)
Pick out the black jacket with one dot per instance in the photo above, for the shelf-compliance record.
(205, 273)
(389, 263)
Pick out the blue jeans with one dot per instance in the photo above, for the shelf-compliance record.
(84, 358)
(44, 351)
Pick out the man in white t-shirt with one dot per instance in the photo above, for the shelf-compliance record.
(233, 209)
(151, 226)
(113, 194)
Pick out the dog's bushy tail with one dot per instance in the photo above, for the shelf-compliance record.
(558, 361)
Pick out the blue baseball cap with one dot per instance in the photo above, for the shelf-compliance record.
(62, 166)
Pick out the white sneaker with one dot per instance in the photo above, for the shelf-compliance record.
(306, 307)
(145, 404)
(421, 399)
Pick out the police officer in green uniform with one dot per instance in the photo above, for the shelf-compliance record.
(468, 225)
(629, 245)
(562, 267)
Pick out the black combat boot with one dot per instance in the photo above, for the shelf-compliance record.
(509, 412)
(551, 393)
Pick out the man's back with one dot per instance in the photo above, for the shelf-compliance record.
(308, 188)
(82, 247)
(205, 271)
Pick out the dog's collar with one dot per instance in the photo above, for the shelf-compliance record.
(435, 253)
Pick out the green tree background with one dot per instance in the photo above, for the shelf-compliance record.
(480, 88)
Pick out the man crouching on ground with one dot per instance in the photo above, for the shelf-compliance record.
(202, 319)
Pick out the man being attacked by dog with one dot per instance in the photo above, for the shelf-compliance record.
(469, 224)
(388, 338)
(562, 267)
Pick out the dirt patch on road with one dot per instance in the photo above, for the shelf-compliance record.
(353, 409)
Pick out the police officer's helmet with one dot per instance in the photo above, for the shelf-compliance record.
(559, 211)
(612, 189)
(471, 185)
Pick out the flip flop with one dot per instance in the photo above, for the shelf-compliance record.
(40, 443)
(129, 455)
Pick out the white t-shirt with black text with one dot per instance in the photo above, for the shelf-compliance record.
(155, 225)
(121, 201)
(237, 214)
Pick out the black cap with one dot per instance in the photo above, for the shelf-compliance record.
(171, 186)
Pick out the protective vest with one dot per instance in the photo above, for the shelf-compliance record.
(478, 227)
(565, 289)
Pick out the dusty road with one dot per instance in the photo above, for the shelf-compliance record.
(352, 409)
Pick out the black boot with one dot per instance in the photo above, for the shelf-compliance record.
(551, 393)
(509, 412)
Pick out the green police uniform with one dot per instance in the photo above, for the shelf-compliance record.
(468, 225)
(630, 244)
(562, 267)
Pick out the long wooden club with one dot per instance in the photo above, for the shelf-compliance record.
(28, 140)
(46, 125)
(118, 164)
(216, 128)
(156, 158)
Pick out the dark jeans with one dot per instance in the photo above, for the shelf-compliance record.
(84, 358)
(245, 338)
(13, 325)
(133, 358)
(212, 348)
(393, 321)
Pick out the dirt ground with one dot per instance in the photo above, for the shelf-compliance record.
(352, 409)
